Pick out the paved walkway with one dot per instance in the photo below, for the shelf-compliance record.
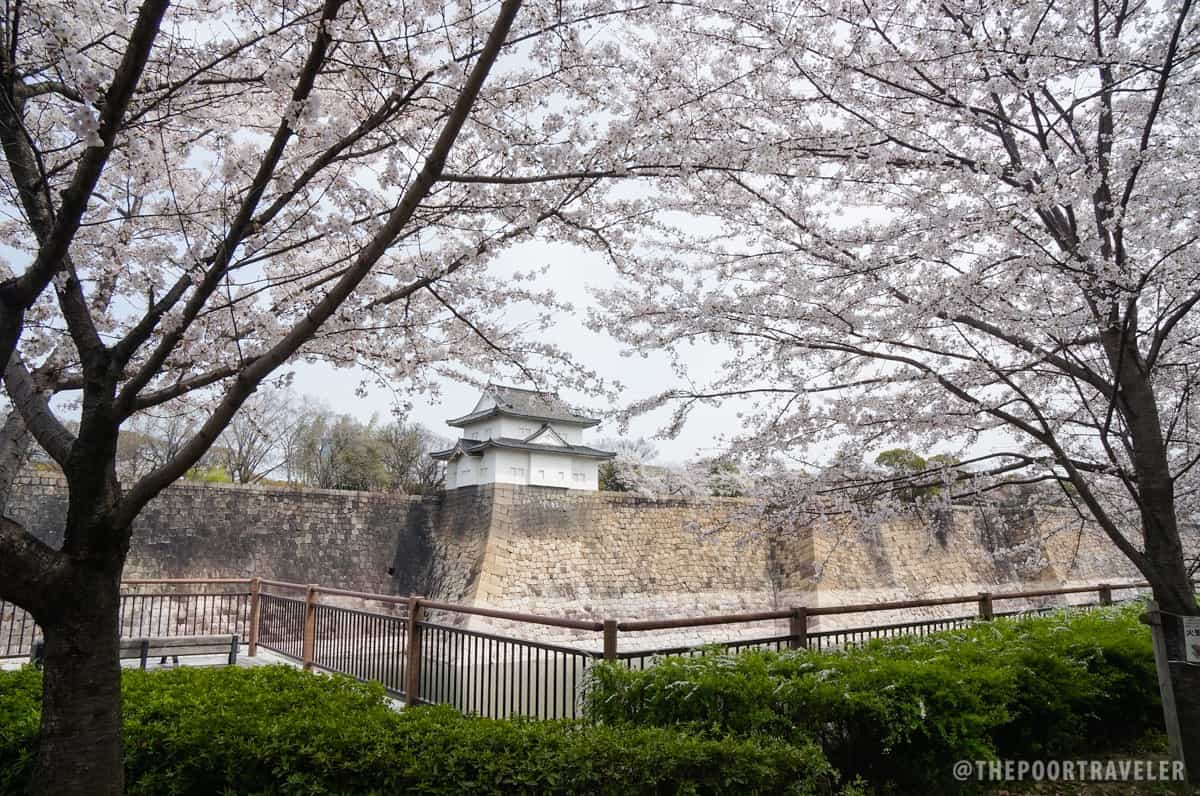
(264, 658)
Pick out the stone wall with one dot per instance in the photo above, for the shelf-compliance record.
(961, 552)
(439, 553)
(618, 555)
(600, 554)
(591, 554)
(341, 538)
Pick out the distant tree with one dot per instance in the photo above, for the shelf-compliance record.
(623, 473)
(152, 439)
(944, 468)
(639, 450)
(357, 454)
(913, 478)
(723, 478)
(706, 477)
(209, 474)
(612, 477)
(901, 461)
(333, 451)
(307, 459)
(616, 475)
(253, 444)
(903, 464)
(405, 448)
(337, 452)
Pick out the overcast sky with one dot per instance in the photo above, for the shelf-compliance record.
(571, 271)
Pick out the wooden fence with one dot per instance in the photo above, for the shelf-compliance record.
(420, 651)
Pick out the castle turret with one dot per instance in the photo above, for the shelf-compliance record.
(516, 436)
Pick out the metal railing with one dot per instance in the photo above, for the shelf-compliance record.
(643, 658)
(363, 644)
(17, 630)
(280, 626)
(159, 607)
(498, 676)
(429, 660)
(194, 613)
(419, 650)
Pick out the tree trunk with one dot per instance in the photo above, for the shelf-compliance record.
(1166, 568)
(80, 742)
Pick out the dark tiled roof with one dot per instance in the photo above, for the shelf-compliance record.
(475, 447)
(525, 403)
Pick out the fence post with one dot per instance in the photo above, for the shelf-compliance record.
(610, 639)
(412, 688)
(798, 628)
(985, 606)
(1105, 594)
(255, 614)
(310, 627)
(1158, 641)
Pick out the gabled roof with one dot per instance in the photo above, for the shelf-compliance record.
(464, 447)
(474, 447)
(528, 404)
(546, 431)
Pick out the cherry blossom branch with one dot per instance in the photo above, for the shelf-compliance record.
(241, 226)
(1164, 70)
(19, 293)
(1045, 437)
(253, 374)
(1009, 337)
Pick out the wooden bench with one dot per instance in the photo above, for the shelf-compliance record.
(145, 648)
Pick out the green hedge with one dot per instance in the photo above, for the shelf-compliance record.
(899, 712)
(278, 730)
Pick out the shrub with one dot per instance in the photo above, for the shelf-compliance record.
(20, 712)
(901, 711)
(276, 730)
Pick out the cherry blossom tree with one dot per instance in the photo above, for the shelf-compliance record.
(198, 193)
(968, 224)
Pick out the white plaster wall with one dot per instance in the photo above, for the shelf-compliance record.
(573, 435)
(523, 468)
(517, 428)
(466, 474)
(485, 468)
(511, 427)
(550, 469)
(585, 474)
(506, 461)
(485, 429)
